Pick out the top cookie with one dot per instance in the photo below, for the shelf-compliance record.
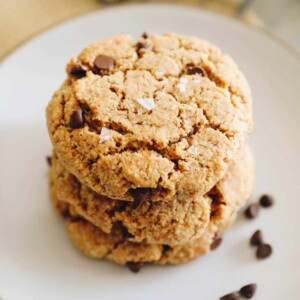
(166, 113)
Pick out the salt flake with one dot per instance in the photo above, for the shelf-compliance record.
(182, 84)
(159, 74)
(147, 103)
(182, 87)
(105, 134)
(192, 150)
(183, 80)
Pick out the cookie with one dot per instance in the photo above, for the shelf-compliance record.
(118, 246)
(165, 222)
(166, 113)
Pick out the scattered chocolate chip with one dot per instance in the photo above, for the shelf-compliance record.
(135, 267)
(145, 35)
(76, 120)
(263, 251)
(79, 71)
(140, 196)
(103, 62)
(248, 291)
(266, 201)
(256, 238)
(231, 296)
(252, 211)
(191, 70)
(216, 243)
(49, 160)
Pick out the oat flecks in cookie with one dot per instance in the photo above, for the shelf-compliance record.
(105, 134)
(213, 110)
(147, 103)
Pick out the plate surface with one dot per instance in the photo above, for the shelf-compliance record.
(36, 259)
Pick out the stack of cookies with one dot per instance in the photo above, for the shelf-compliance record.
(150, 160)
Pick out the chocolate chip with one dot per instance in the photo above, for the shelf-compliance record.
(252, 211)
(145, 35)
(135, 267)
(256, 238)
(266, 201)
(248, 291)
(140, 196)
(79, 71)
(231, 296)
(65, 215)
(49, 160)
(191, 70)
(141, 45)
(216, 243)
(103, 62)
(263, 251)
(76, 120)
(166, 248)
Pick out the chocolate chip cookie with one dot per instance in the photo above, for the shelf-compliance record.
(166, 222)
(119, 244)
(166, 113)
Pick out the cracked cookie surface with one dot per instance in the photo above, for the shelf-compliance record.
(167, 113)
(165, 222)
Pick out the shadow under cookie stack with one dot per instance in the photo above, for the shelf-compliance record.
(150, 161)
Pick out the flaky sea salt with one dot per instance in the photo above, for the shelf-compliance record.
(105, 134)
(192, 150)
(182, 84)
(147, 103)
(159, 74)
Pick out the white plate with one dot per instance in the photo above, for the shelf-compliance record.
(36, 259)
